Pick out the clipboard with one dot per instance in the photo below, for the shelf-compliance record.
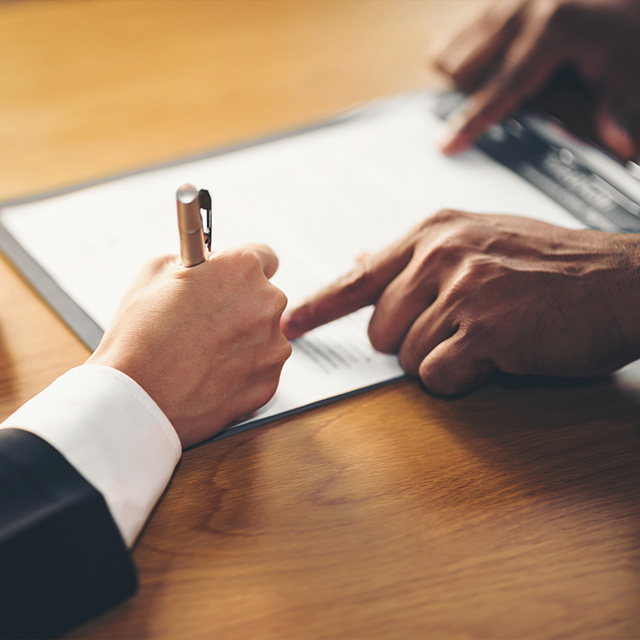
(351, 183)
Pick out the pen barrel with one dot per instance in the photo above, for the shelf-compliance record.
(192, 247)
(192, 250)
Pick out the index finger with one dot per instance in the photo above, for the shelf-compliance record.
(359, 288)
(525, 68)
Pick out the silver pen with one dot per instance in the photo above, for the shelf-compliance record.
(194, 240)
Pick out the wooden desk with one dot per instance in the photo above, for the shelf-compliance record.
(514, 512)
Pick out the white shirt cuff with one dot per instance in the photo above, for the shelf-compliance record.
(113, 433)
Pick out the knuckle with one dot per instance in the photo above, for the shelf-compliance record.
(265, 387)
(356, 280)
(245, 262)
(444, 256)
(274, 301)
(270, 387)
(454, 221)
(470, 290)
(442, 216)
(280, 300)
(264, 393)
(285, 351)
(274, 354)
(471, 272)
(447, 252)
(473, 330)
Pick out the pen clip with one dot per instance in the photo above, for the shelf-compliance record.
(204, 198)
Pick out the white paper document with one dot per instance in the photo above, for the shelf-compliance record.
(319, 198)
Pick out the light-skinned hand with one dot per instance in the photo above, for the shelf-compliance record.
(462, 295)
(204, 342)
(507, 56)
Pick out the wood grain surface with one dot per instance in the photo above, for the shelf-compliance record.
(513, 512)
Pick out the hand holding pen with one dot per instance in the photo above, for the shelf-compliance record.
(204, 343)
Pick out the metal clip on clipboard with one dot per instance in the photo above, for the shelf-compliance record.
(585, 180)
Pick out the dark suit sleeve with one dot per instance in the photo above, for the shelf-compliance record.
(62, 558)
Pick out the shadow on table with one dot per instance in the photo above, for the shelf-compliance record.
(553, 435)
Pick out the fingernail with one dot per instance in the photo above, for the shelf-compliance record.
(449, 142)
(616, 137)
(445, 139)
(448, 139)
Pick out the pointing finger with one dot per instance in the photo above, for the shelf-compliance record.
(359, 288)
(528, 66)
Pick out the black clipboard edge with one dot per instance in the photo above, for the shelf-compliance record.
(50, 291)
(230, 431)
